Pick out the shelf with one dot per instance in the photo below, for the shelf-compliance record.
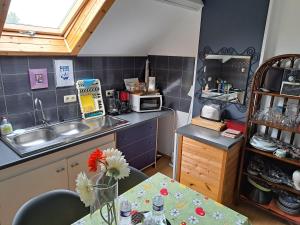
(275, 126)
(274, 185)
(270, 155)
(273, 209)
(277, 95)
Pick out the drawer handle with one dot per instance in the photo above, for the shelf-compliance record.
(74, 164)
(60, 170)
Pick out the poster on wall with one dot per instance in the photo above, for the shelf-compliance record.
(38, 78)
(64, 75)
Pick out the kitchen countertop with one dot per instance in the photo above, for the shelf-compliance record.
(207, 136)
(9, 158)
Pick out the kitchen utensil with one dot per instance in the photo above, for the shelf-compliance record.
(280, 153)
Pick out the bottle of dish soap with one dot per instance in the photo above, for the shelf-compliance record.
(5, 127)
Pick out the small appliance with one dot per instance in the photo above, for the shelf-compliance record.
(124, 102)
(211, 112)
(113, 104)
(146, 103)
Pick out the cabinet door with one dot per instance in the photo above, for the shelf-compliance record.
(17, 190)
(78, 163)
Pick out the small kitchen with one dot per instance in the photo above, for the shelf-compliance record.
(136, 112)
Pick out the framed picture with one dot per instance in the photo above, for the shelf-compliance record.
(64, 75)
(38, 78)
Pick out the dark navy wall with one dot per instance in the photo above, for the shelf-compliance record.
(231, 23)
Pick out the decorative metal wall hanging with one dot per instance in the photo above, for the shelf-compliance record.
(250, 51)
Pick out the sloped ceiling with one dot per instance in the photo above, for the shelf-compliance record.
(142, 27)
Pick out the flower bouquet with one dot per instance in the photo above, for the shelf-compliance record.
(100, 193)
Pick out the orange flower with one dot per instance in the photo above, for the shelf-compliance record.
(95, 157)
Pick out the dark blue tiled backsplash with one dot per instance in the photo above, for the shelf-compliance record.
(174, 78)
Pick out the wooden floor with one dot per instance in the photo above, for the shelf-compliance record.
(256, 216)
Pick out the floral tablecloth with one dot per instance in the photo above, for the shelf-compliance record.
(183, 206)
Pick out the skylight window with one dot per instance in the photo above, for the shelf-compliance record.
(39, 13)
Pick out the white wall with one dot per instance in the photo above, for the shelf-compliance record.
(283, 29)
(143, 27)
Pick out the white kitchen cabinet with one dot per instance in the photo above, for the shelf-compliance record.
(78, 163)
(59, 170)
(19, 189)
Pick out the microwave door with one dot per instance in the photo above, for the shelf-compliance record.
(149, 103)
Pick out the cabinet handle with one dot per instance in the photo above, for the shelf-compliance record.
(74, 164)
(60, 170)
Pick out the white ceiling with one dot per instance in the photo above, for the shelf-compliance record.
(142, 27)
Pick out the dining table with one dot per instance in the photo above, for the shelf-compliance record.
(182, 205)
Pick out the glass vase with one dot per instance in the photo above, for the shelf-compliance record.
(106, 206)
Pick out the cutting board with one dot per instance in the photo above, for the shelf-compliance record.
(217, 126)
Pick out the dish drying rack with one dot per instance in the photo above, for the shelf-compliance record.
(90, 98)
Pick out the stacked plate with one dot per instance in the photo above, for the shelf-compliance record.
(289, 204)
(263, 143)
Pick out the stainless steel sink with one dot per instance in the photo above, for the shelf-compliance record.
(71, 128)
(36, 139)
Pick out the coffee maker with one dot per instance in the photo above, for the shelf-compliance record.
(124, 102)
(118, 103)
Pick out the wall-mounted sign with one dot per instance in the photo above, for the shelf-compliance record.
(38, 78)
(64, 75)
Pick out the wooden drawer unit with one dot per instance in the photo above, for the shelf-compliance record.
(207, 169)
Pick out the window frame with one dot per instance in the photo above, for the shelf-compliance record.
(77, 27)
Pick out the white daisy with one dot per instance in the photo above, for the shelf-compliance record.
(84, 188)
(193, 220)
(218, 215)
(135, 205)
(178, 195)
(197, 202)
(174, 212)
(141, 193)
(117, 167)
(239, 222)
(112, 152)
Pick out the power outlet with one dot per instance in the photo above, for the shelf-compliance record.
(70, 98)
(109, 93)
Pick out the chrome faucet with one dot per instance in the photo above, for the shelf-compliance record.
(37, 102)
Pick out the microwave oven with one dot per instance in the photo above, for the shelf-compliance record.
(145, 103)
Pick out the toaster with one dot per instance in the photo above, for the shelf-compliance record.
(211, 112)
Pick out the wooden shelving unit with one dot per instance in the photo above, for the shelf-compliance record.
(270, 155)
(273, 209)
(273, 185)
(255, 104)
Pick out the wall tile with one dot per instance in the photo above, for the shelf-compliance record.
(188, 63)
(128, 73)
(41, 62)
(109, 77)
(83, 63)
(128, 62)
(16, 84)
(187, 77)
(14, 65)
(139, 67)
(175, 62)
(61, 92)
(185, 105)
(161, 75)
(2, 105)
(174, 83)
(48, 98)
(86, 74)
(184, 92)
(19, 103)
(68, 112)
(162, 62)
(23, 120)
(98, 63)
(51, 115)
(51, 81)
(171, 102)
